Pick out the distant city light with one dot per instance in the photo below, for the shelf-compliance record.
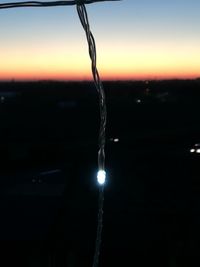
(115, 140)
(2, 99)
(101, 177)
(195, 149)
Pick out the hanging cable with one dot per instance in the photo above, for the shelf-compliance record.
(47, 4)
(101, 175)
(82, 12)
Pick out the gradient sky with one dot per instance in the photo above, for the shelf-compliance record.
(136, 39)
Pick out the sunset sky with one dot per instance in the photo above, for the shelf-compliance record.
(136, 39)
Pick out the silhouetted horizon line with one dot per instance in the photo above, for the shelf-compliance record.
(91, 81)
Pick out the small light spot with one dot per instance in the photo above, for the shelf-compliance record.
(198, 151)
(2, 99)
(138, 101)
(115, 140)
(192, 150)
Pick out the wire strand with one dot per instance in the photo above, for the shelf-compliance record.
(82, 12)
(48, 3)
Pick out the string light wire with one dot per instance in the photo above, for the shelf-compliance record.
(82, 13)
(49, 3)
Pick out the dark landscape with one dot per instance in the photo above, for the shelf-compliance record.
(48, 188)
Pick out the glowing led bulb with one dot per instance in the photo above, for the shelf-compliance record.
(101, 177)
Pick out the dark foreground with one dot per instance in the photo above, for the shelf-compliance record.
(48, 153)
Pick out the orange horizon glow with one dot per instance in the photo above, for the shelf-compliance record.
(118, 63)
(74, 76)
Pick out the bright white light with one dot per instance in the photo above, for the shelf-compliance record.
(101, 177)
(192, 150)
(198, 151)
